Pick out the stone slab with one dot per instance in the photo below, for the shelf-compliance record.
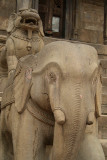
(102, 127)
(104, 81)
(104, 145)
(104, 89)
(104, 109)
(104, 63)
(89, 35)
(104, 72)
(104, 98)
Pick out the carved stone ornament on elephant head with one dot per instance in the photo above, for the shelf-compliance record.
(57, 93)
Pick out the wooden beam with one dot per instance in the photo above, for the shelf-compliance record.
(73, 20)
(69, 19)
(50, 15)
(77, 18)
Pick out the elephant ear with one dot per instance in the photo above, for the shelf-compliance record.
(11, 23)
(41, 27)
(22, 85)
(98, 94)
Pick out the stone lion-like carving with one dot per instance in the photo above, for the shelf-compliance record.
(25, 36)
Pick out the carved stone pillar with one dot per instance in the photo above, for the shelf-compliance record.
(77, 19)
(72, 23)
(69, 19)
(35, 4)
(24, 4)
(105, 21)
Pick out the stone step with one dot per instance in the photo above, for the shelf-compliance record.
(104, 109)
(104, 72)
(104, 81)
(104, 145)
(104, 89)
(104, 98)
(102, 127)
(104, 63)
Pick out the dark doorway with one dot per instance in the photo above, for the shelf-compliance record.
(52, 13)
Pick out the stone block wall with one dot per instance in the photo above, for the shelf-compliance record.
(91, 21)
(6, 8)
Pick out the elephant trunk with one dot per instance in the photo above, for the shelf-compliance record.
(67, 137)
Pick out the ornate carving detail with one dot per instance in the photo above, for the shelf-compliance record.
(58, 3)
(40, 114)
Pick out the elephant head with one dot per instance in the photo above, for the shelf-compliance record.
(64, 78)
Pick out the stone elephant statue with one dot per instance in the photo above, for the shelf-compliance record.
(56, 93)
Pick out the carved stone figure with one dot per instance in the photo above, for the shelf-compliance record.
(25, 36)
(3, 66)
(56, 94)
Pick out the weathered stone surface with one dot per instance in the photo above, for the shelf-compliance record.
(6, 8)
(101, 49)
(104, 72)
(104, 109)
(104, 63)
(102, 127)
(104, 81)
(86, 35)
(92, 21)
(104, 98)
(89, 144)
(104, 89)
(104, 145)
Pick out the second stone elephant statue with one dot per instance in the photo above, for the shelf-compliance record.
(56, 93)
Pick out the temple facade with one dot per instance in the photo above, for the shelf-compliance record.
(80, 21)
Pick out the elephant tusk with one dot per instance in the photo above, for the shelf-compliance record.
(90, 118)
(59, 116)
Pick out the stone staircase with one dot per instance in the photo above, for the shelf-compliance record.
(103, 133)
(104, 88)
(103, 118)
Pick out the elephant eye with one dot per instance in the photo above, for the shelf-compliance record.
(52, 76)
(94, 82)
